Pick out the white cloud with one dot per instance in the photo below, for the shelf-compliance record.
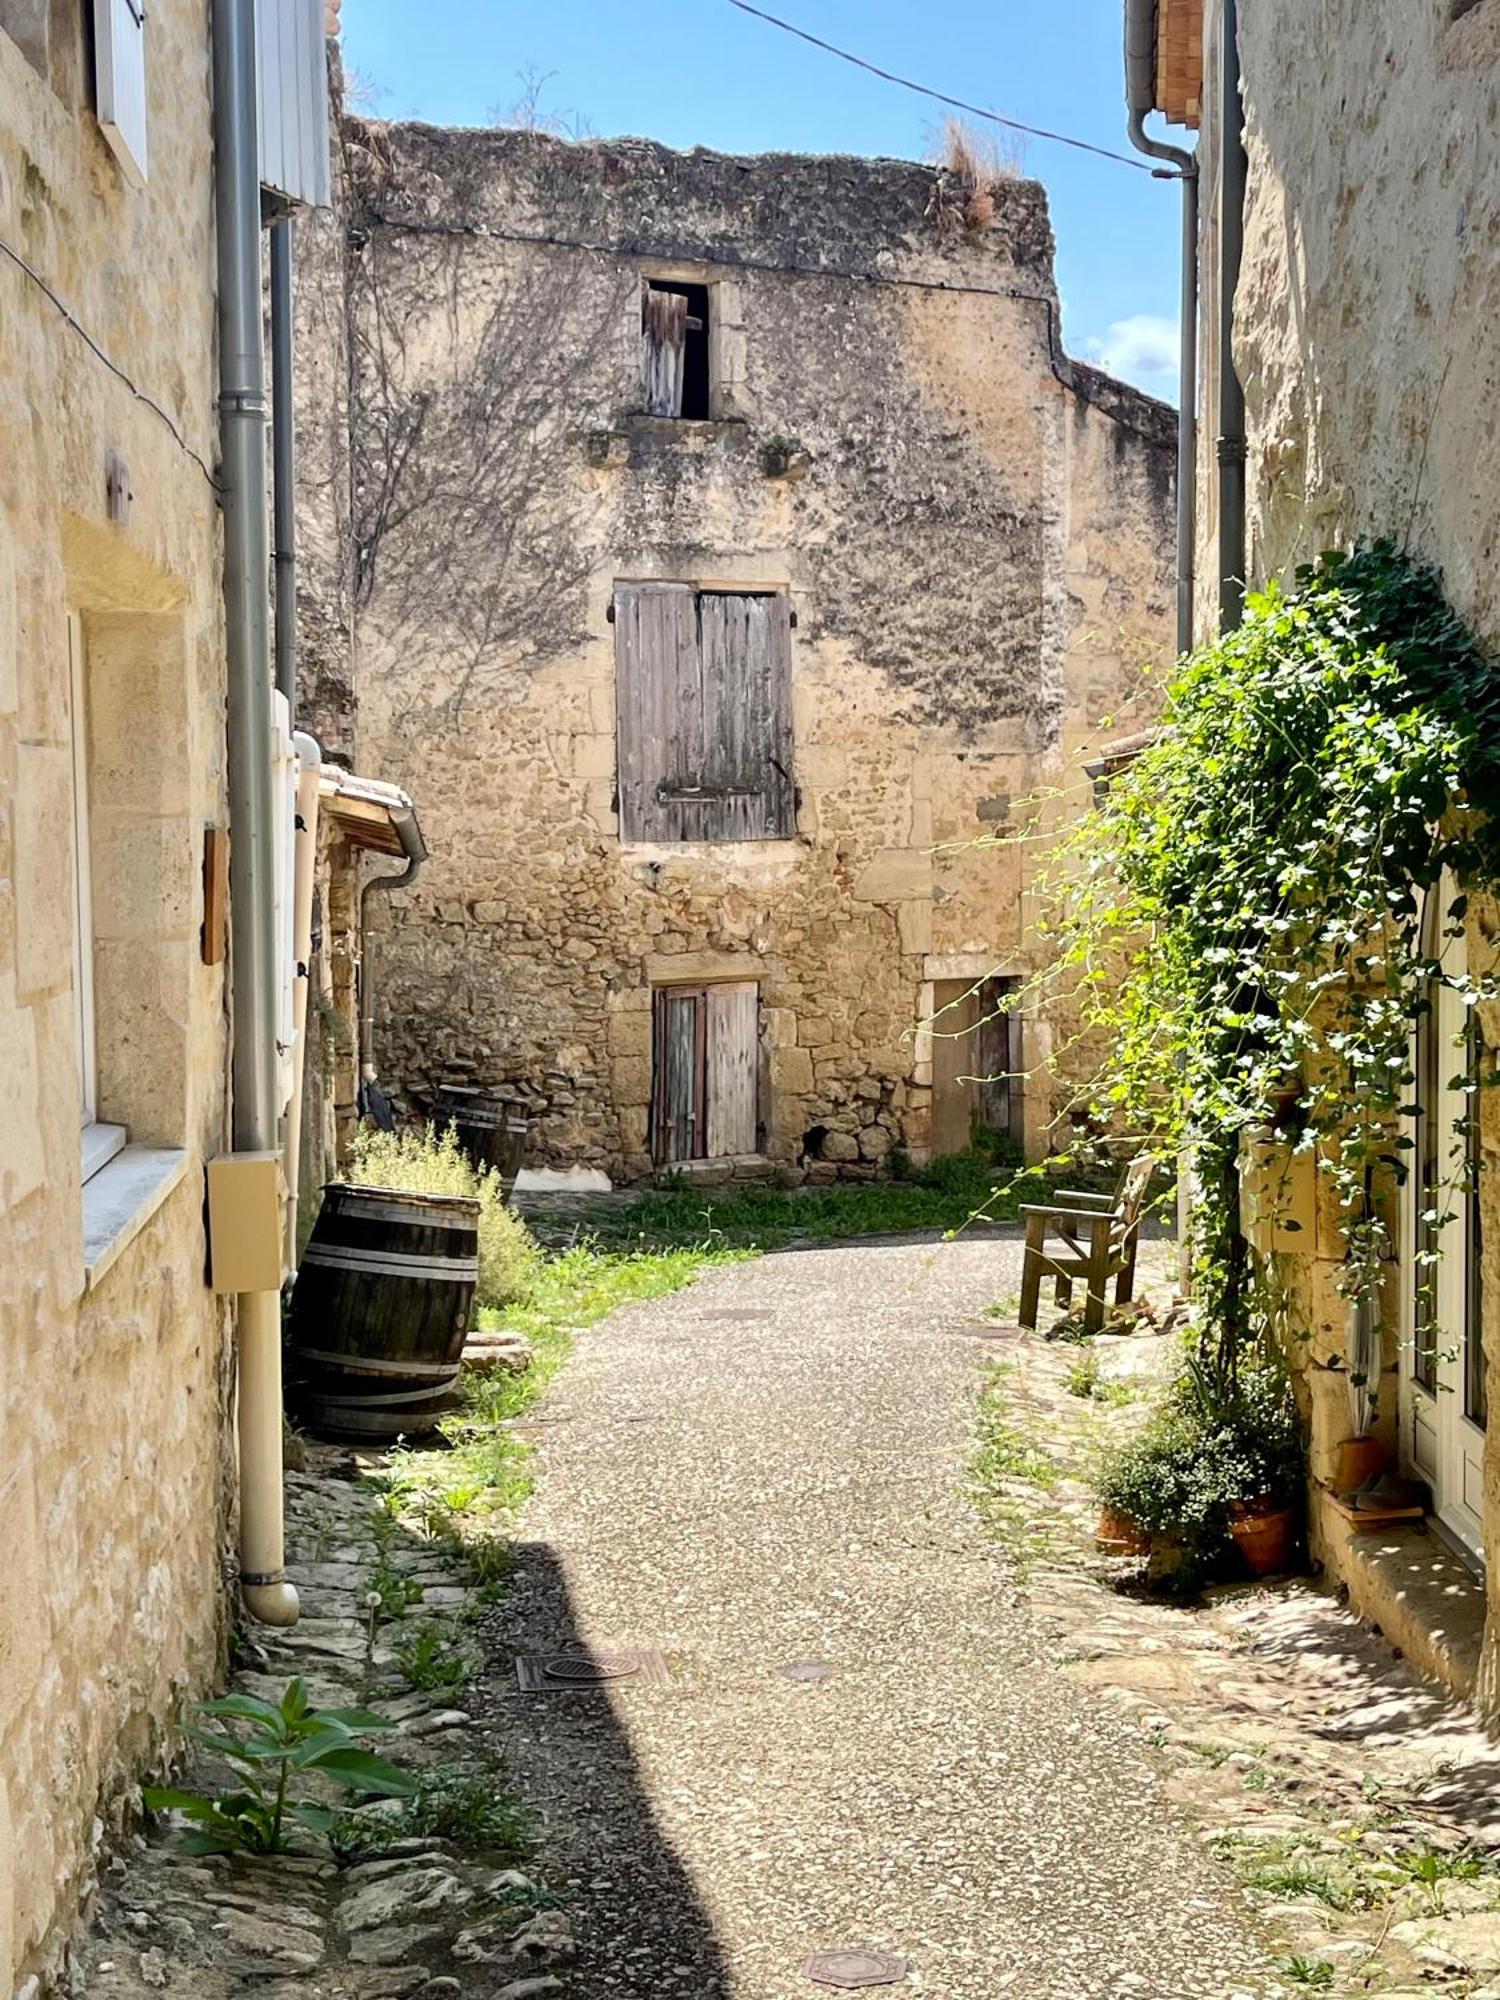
(1141, 349)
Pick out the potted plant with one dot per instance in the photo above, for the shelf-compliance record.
(1217, 1466)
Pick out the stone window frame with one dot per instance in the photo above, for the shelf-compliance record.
(727, 401)
(99, 1140)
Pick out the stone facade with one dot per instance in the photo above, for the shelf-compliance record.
(114, 1450)
(1366, 335)
(974, 535)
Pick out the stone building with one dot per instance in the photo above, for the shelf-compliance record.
(734, 550)
(1365, 335)
(117, 1463)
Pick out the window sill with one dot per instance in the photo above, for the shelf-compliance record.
(121, 1199)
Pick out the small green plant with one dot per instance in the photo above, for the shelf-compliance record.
(429, 1660)
(397, 1591)
(1299, 1881)
(284, 1743)
(1316, 1973)
(468, 1808)
(1085, 1378)
(1005, 1452)
(1430, 1869)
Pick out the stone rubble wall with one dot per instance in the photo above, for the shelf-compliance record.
(115, 1452)
(976, 536)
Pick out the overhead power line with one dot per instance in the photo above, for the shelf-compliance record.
(941, 97)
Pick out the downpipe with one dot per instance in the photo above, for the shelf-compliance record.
(304, 874)
(267, 1595)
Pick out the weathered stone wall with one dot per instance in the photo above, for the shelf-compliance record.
(1367, 334)
(113, 1467)
(976, 539)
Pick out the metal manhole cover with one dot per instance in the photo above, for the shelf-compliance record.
(852, 1969)
(807, 1670)
(554, 1673)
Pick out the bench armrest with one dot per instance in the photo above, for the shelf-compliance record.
(1077, 1196)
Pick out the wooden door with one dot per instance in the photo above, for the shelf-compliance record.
(954, 1062)
(732, 1068)
(678, 1123)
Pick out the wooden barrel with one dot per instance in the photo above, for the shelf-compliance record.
(380, 1310)
(490, 1131)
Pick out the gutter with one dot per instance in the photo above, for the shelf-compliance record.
(404, 822)
(1231, 443)
(242, 418)
(1140, 101)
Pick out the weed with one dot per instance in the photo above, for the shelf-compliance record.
(397, 1591)
(285, 1740)
(1297, 1880)
(429, 1660)
(468, 1808)
(1429, 1869)
(1317, 1973)
(1004, 1451)
(432, 1163)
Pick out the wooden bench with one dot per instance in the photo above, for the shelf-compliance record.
(1088, 1236)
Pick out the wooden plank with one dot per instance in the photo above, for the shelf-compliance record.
(733, 1065)
(745, 648)
(954, 1091)
(664, 319)
(658, 709)
(677, 1087)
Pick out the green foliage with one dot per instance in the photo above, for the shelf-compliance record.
(945, 1194)
(283, 1743)
(1004, 1451)
(1315, 1973)
(1086, 1379)
(428, 1658)
(1241, 916)
(1429, 1869)
(1206, 1446)
(468, 1809)
(427, 1162)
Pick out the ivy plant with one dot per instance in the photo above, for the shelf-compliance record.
(1240, 915)
(286, 1743)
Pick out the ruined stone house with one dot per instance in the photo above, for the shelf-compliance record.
(734, 548)
(1365, 332)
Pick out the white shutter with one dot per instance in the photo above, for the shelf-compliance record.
(120, 81)
(285, 767)
(291, 72)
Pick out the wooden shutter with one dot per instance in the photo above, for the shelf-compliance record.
(732, 1068)
(658, 708)
(746, 646)
(679, 1023)
(664, 318)
(120, 81)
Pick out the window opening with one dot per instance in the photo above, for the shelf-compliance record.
(705, 1071)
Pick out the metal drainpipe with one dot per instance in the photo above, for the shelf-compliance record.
(415, 850)
(1140, 98)
(1231, 443)
(283, 444)
(242, 417)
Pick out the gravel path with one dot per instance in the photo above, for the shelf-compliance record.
(763, 1470)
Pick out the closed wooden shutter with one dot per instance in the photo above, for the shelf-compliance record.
(746, 651)
(732, 1068)
(658, 708)
(664, 318)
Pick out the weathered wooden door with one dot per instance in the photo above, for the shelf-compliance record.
(678, 1123)
(706, 1068)
(733, 1068)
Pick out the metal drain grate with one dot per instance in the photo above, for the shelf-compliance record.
(807, 1670)
(855, 1967)
(560, 1673)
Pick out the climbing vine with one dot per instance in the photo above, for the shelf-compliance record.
(1242, 912)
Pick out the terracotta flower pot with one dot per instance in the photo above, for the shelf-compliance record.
(1357, 1461)
(1263, 1533)
(1118, 1535)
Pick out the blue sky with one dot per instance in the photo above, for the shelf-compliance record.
(698, 72)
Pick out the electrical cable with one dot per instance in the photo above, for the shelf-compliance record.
(112, 365)
(939, 96)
